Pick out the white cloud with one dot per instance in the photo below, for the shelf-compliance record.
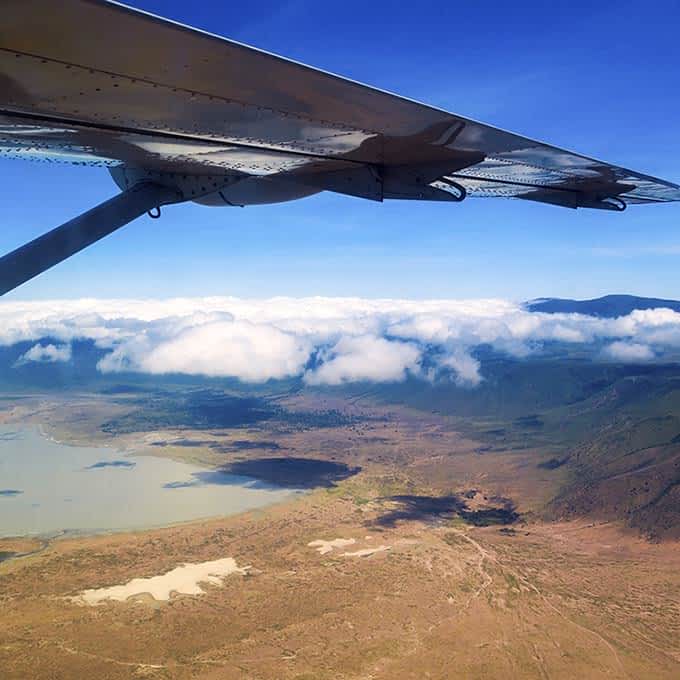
(349, 338)
(629, 351)
(466, 368)
(252, 352)
(45, 354)
(365, 357)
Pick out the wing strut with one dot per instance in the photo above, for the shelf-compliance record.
(71, 237)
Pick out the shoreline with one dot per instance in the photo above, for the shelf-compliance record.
(49, 537)
(69, 536)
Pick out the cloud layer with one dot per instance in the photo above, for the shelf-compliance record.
(46, 354)
(323, 340)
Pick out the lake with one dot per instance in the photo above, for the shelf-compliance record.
(47, 488)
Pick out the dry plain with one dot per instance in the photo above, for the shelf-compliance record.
(417, 588)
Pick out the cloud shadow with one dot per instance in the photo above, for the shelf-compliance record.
(300, 473)
(434, 508)
(126, 464)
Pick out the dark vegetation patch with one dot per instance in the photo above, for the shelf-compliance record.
(436, 508)
(376, 440)
(316, 419)
(230, 447)
(507, 531)
(10, 492)
(552, 463)
(190, 443)
(197, 409)
(4, 555)
(205, 409)
(111, 464)
(487, 517)
(305, 473)
(532, 421)
(249, 445)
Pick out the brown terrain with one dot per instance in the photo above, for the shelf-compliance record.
(446, 568)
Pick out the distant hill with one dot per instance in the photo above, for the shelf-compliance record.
(609, 306)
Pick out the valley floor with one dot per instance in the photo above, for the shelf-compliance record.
(413, 590)
(415, 600)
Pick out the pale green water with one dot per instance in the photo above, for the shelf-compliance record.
(47, 488)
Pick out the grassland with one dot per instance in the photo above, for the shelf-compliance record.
(446, 600)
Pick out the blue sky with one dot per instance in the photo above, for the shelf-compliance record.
(599, 78)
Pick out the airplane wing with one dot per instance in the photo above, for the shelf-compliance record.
(98, 83)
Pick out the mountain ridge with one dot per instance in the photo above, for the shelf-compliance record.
(605, 307)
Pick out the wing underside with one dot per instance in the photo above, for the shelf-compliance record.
(173, 99)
